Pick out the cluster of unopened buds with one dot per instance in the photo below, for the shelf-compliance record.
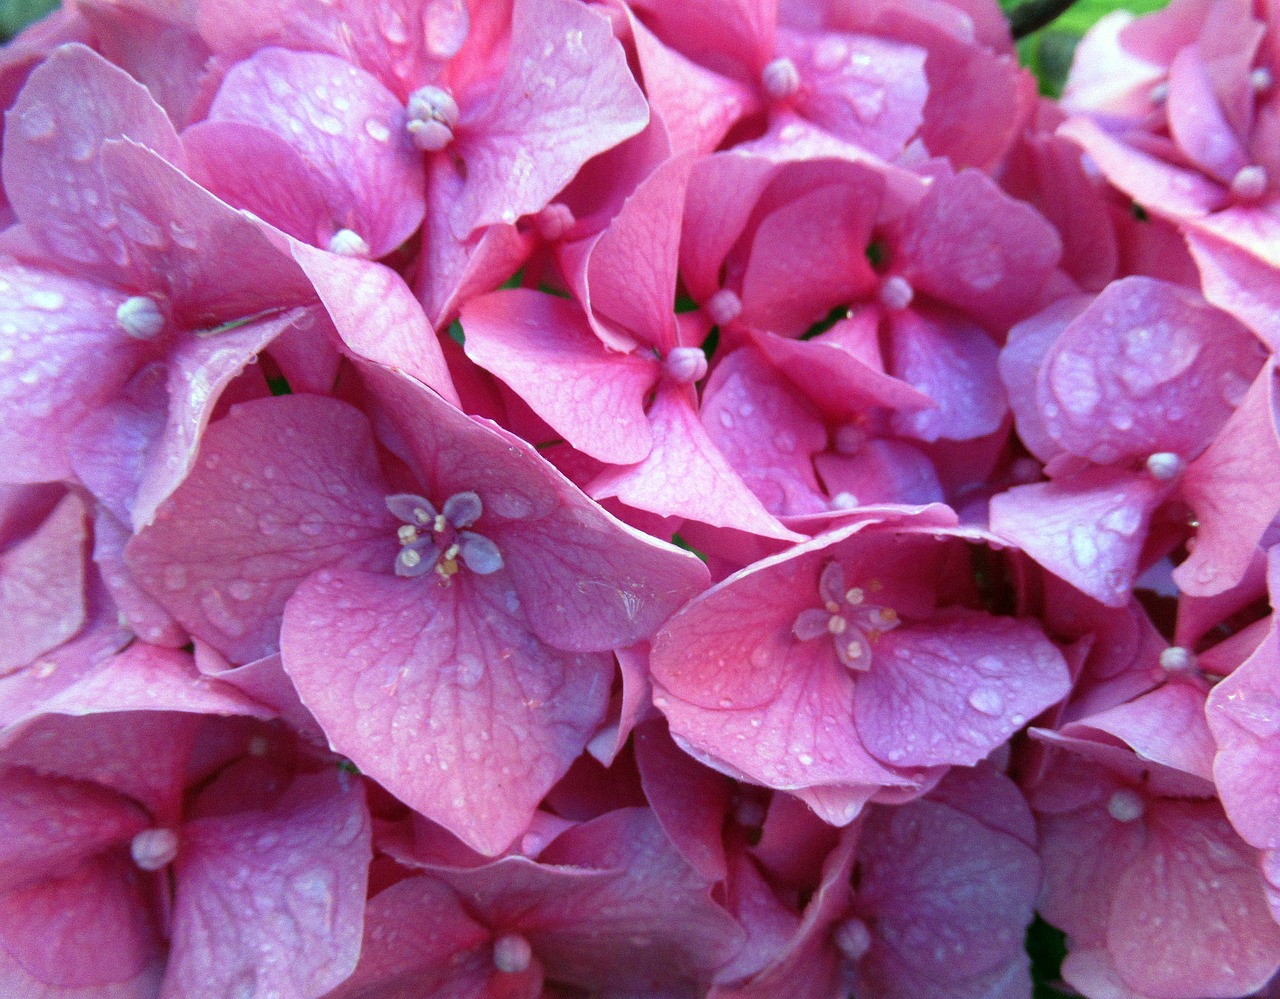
(648, 498)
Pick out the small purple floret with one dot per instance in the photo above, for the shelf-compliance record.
(845, 615)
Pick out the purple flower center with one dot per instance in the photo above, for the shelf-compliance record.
(431, 539)
(851, 622)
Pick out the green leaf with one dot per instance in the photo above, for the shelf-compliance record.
(17, 14)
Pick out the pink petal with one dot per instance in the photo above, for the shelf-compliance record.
(714, 222)
(85, 934)
(822, 234)
(1235, 253)
(145, 617)
(951, 690)
(377, 316)
(225, 552)
(292, 881)
(1196, 120)
(424, 667)
(227, 159)
(1203, 883)
(1087, 530)
(631, 271)
(1164, 189)
(418, 930)
(544, 349)
(1166, 725)
(868, 91)
(51, 825)
(974, 247)
(354, 137)
(1232, 489)
(54, 175)
(698, 106)
(1147, 368)
(768, 433)
(69, 358)
(685, 475)
(42, 586)
(548, 114)
(953, 362)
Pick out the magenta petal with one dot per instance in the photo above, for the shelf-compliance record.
(53, 170)
(87, 934)
(1088, 530)
(418, 930)
(49, 825)
(144, 616)
(1167, 190)
(199, 370)
(974, 247)
(953, 362)
(1166, 725)
(1148, 367)
(65, 357)
(353, 137)
(227, 159)
(377, 316)
(441, 694)
(1196, 120)
(823, 234)
(953, 689)
(544, 349)
(566, 94)
(1232, 489)
(1161, 903)
(686, 475)
(273, 900)
(767, 431)
(225, 551)
(42, 586)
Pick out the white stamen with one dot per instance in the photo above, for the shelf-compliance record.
(1126, 806)
(346, 243)
(852, 938)
(153, 849)
(512, 953)
(1250, 183)
(1177, 659)
(140, 317)
(837, 625)
(1159, 93)
(896, 293)
(409, 557)
(1165, 466)
(724, 306)
(780, 79)
(1261, 80)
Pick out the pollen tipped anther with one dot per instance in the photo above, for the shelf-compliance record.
(140, 317)
(433, 115)
(512, 954)
(153, 849)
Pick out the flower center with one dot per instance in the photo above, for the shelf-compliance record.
(846, 616)
(433, 115)
(155, 848)
(437, 540)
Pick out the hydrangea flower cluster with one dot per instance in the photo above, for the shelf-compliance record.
(650, 498)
